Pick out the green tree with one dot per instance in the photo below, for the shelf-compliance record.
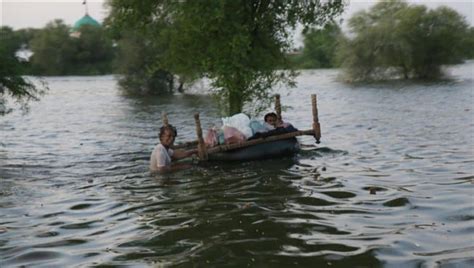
(93, 52)
(52, 50)
(55, 52)
(12, 84)
(26, 35)
(470, 43)
(320, 47)
(237, 44)
(398, 39)
(136, 61)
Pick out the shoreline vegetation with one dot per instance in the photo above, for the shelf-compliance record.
(242, 54)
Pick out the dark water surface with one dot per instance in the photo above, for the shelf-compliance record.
(75, 189)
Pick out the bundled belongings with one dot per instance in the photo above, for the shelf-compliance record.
(242, 139)
(239, 127)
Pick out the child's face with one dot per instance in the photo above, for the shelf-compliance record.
(272, 120)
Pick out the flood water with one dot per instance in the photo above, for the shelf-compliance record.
(391, 184)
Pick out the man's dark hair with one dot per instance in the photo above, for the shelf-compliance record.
(270, 115)
(169, 127)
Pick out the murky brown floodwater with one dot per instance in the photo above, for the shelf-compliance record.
(75, 190)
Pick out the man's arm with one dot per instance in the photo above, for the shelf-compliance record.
(177, 154)
(180, 154)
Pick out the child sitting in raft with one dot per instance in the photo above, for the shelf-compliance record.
(276, 126)
(272, 120)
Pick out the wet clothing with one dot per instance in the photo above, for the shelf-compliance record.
(160, 157)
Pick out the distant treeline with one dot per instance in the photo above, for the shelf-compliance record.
(393, 39)
(55, 50)
(240, 46)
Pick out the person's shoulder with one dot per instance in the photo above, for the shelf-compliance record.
(159, 145)
(159, 148)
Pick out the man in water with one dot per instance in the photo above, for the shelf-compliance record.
(162, 156)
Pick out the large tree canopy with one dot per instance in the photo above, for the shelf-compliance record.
(398, 39)
(237, 44)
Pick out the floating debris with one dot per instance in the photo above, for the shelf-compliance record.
(372, 190)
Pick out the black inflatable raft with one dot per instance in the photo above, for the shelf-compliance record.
(272, 149)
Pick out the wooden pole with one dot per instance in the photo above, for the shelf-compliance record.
(202, 150)
(164, 117)
(316, 126)
(278, 107)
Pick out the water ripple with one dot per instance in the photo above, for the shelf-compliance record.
(389, 185)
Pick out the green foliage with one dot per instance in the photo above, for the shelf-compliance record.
(52, 49)
(55, 52)
(25, 36)
(319, 49)
(11, 68)
(136, 62)
(140, 52)
(237, 44)
(93, 52)
(469, 40)
(395, 39)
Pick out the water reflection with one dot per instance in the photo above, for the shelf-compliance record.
(253, 210)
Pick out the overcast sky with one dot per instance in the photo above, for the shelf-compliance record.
(36, 13)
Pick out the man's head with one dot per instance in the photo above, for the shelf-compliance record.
(167, 135)
(271, 119)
